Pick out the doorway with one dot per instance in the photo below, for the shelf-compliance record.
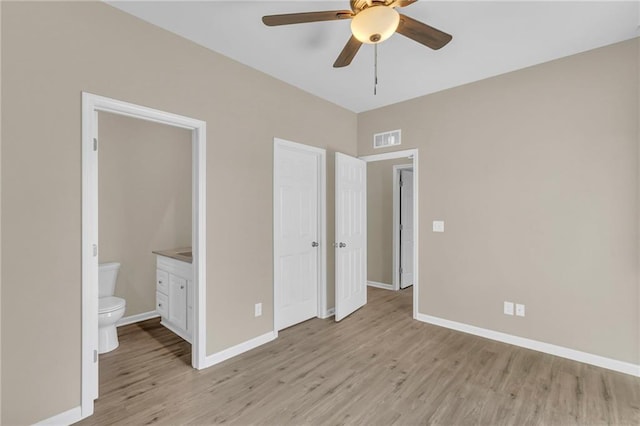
(352, 228)
(144, 205)
(299, 238)
(385, 250)
(91, 106)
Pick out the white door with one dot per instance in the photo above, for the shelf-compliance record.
(351, 235)
(296, 189)
(406, 228)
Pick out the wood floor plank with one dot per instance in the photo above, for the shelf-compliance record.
(376, 367)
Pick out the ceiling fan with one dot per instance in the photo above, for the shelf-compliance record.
(372, 22)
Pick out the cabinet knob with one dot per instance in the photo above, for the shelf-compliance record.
(159, 305)
(181, 287)
(159, 281)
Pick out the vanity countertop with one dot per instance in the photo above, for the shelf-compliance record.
(183, 254)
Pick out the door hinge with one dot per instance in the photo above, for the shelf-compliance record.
(400, 271)
(401, 227)
(95, 144)
(401, 183)
(95, 250)
(95, 355)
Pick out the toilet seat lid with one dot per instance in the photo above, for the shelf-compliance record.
(110, 303)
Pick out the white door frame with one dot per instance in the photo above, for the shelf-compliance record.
(412, 154)
(91, 105)
(322, 226)
(396, 223)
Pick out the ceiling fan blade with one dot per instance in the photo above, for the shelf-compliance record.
(300, 18)
(404, 3)
(348, 53)
(422, 33)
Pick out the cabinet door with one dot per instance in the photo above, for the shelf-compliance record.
(190, 317)
(178, 301)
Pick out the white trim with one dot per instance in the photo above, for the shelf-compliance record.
(328, 313)
(548, 348)
(91, 105)
(396, 279)
(68, 417)
(376, 284)
(199, 243)
(391, 155)
(89, 368)
(322, 311)
(412, 154)
(322, 267)
(132, 319)
(238, 349)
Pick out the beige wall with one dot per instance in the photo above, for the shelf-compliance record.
(0, 216)
(380, 219)
(535, 174)
(51, 52)
(144, 201)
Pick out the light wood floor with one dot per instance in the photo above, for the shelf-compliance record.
(377, 367)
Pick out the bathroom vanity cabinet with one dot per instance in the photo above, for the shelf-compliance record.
(174, 295)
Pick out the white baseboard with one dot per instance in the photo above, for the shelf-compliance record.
(68, 417)
(561, 351)
(328, 313)
(137, 318)
(380, 285)
(224, 355)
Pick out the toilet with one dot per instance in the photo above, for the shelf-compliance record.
(110, 308)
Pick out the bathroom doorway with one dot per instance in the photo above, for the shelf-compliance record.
(92, 107)
(144, 206)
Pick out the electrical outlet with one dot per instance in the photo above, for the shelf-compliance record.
(258, 310)
(438, 226)
(519, 310)
(508, 308)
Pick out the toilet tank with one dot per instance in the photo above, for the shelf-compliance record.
(107, 277)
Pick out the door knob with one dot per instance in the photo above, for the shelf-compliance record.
(342, 245)
(314, 244)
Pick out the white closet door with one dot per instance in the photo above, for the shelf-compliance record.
(296, 189)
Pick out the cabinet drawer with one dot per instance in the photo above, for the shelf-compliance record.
(162, 304)
(162, 281)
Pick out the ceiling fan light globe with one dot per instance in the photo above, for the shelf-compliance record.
(375, 24)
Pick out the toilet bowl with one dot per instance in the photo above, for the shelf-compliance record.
(110, 308)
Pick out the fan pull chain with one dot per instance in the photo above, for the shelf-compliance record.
(375, 69)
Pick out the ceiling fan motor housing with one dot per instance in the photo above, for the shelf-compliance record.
(375, 24)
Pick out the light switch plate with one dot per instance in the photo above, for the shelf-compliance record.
(519, 310)
(438, 226)
(508, 308)
(258, 309)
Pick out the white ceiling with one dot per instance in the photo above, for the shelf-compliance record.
(489, 38)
